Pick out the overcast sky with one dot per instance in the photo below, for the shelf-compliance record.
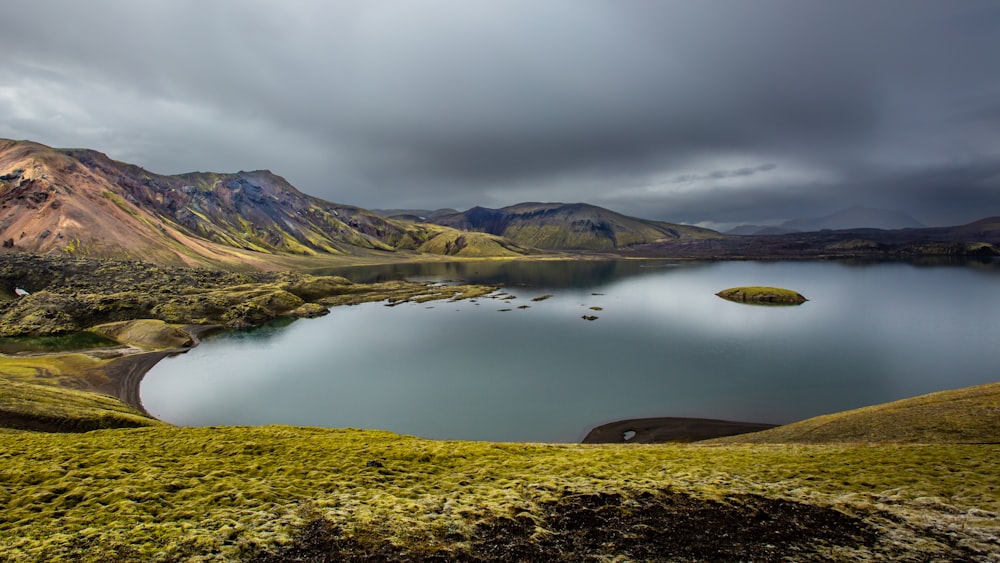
(714, 112)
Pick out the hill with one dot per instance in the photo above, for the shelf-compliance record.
(745, 230)
(82, 203)
(979, 240)
(970, 415)
(576, 226)
(856, 217)
(270, 494)
(418, 214)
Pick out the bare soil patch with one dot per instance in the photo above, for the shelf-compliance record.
(661, 526)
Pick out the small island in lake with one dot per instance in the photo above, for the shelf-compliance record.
(759, 295)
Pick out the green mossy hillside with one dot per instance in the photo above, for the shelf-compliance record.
(969, 415)
(75, 370)
(227, 494)
(471, 245)
(52, 408)
(150, 334)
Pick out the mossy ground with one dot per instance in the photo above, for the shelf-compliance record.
(75, 370)
(76, 294)
(52, 408)
(970, 415)
(225, 493)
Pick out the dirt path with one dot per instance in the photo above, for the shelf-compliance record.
(125, 374)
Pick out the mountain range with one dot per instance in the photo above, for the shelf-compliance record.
(855, 217)
(577, 226)
(80, 202)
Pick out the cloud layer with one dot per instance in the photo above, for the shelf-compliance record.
(718, 112)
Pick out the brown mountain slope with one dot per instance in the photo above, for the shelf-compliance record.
(49, 202)
(576, 226)
(80, 202)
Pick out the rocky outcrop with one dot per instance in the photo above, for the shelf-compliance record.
(762, 295)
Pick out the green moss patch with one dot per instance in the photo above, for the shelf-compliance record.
(58, 409)
(55, 343)
(151, 334)
(760, 295)
(166, 493)
(969, 415)
(67, 370)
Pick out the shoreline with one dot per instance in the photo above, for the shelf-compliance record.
(660, 430)
(125, 377)
(125, 374)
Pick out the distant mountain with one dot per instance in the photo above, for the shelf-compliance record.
(81, 202)
(977, 240)
(414, 214)
(758, 230)
(576, 226)
(855, 217)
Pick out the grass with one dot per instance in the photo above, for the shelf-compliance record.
(68, 369)
(53, 408)
(968, 415)
(218, 493)
(150, 334)
(57, 343)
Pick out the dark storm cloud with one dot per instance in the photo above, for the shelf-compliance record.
(688, 111)
(720, 174)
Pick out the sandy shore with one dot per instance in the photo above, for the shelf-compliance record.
(125, 374)
(668, 429)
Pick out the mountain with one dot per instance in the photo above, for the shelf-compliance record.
(414, 214)
(856, 217)
(576, 226)
(81, 202)
(977, 240)
(745, 230)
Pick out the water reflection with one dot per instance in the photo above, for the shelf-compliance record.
(541, 273)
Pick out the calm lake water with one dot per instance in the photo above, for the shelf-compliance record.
(664, 345)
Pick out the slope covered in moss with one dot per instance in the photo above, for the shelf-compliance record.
(53, 408)
(970, 415)
(167, 493)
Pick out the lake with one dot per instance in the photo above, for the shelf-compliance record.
(663, 345)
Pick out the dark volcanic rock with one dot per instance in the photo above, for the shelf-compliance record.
(654, 526)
